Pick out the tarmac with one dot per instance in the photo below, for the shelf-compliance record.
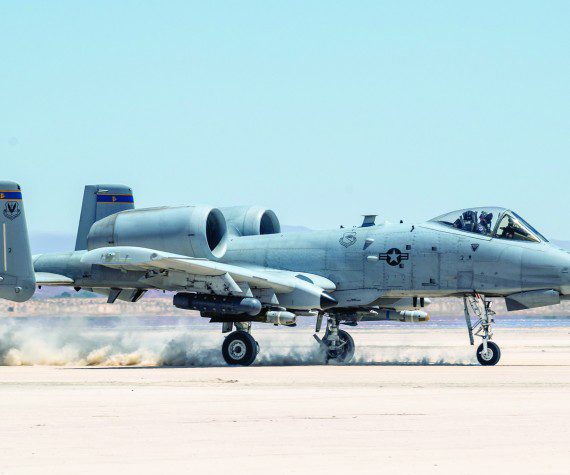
(413, 402)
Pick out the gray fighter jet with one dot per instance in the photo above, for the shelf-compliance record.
(235, 266)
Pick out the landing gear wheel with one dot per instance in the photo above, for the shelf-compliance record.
(239, 348)
(343, 351)
(491, 357)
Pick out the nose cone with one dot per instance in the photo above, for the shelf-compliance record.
(565, 275)
(546, 269)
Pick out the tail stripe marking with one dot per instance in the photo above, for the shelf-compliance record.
(10, 195)
(115, 199)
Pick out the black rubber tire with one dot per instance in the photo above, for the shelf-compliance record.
(495, 354)
(346, 353)
(239, 348)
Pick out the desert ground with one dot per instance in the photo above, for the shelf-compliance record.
(413, 401)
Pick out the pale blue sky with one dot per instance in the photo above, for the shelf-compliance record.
(320, 110)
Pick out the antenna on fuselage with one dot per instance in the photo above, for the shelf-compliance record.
(369, 220)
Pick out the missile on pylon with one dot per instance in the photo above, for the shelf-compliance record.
(409, 316)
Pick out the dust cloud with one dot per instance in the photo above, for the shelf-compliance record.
(76, 342)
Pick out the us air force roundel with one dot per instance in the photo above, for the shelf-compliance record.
(394, 256)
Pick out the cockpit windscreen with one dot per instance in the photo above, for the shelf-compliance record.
(493, 222)
(473, 220)
(512, 226)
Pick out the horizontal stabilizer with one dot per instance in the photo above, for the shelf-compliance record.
(47, 278)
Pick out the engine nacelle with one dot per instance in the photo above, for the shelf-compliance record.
(251, 220)
(197, 231)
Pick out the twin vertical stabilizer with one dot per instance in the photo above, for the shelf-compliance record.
(100, 201)
(17, 278)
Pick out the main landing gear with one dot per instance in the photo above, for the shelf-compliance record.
(488, 352)
(337, 344)
(239, 347)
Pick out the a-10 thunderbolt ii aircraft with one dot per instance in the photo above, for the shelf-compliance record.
(235, 266)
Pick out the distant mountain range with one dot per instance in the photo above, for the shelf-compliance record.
(46, 242)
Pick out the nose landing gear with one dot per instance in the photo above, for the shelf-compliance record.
(488, 352)
(488, 357)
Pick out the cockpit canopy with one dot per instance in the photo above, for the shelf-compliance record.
(491, 221)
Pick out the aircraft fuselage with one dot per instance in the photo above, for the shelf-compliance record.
(368, 263)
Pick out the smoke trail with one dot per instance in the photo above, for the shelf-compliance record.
(77, 342)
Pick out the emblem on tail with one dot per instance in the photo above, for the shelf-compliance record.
(12, 210)
(17, 277)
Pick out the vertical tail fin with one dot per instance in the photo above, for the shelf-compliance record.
(100, 201)
(17, 278)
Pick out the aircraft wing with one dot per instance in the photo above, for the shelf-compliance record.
(304, 290)
(47, 278)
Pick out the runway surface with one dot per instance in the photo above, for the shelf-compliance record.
(414, 402)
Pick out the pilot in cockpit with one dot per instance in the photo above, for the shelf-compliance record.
(512, 230)
(467, 221)
(485, 220)
(493, 222)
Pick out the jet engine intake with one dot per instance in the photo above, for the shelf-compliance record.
(251, 220)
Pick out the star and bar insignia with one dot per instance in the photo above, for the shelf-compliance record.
(394, 256)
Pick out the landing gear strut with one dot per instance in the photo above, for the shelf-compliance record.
(338, 344)
(239, 347)
(488, 352)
